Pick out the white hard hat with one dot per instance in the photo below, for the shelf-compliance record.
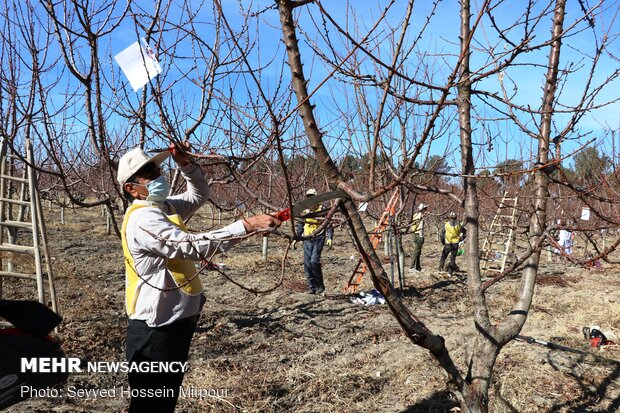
(135, 159)
(422, 206)
(452, 214)
(310, 192)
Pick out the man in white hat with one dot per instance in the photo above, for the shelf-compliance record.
(313, 244)
(163, 293)
(417, 227)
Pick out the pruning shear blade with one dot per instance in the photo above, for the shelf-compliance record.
(309, 202)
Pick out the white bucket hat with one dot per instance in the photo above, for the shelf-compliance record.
(135, 159)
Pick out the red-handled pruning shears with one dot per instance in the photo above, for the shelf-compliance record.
(283, 215)
(307, 203)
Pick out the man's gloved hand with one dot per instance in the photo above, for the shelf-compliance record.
(294, 245)
(328, 243)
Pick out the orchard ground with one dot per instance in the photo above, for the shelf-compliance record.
(289, 351)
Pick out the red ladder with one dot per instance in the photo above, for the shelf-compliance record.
(375, 238)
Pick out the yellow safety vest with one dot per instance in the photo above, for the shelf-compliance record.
(181, 270)
(417, 219)
(453, 233)
(311, 224)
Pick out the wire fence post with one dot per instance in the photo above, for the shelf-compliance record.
(108, 222)
(265, 248)
(401, 260)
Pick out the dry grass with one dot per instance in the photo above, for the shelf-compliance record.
(290, 351)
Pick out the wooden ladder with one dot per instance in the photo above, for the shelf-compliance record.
(375, 238)
(18, 194)
(499, 240)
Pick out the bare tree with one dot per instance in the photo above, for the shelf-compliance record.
(399, 105)
(472, 388)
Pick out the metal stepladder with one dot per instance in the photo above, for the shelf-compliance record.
(499, 241)
(375, 238)
(21, 212)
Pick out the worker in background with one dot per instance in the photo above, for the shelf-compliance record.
(313, 246)
(451, 234)
(566, 239)
(163, 293)
(417, 227)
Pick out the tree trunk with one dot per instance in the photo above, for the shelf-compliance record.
(412, 326)
(475, 393)
(512, 324)
(490, 340)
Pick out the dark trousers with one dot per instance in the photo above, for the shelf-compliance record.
(418, 241)
(167, 343)
(313, 248)
(451, 249)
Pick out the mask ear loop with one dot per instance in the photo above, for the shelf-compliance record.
(144, 185)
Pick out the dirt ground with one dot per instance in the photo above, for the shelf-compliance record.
(288, 351)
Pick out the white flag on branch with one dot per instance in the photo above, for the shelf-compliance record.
(139, 64)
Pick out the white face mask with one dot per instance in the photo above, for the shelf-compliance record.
(158, 190)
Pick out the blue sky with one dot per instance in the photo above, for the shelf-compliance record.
(438, 45)
(441, 39)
